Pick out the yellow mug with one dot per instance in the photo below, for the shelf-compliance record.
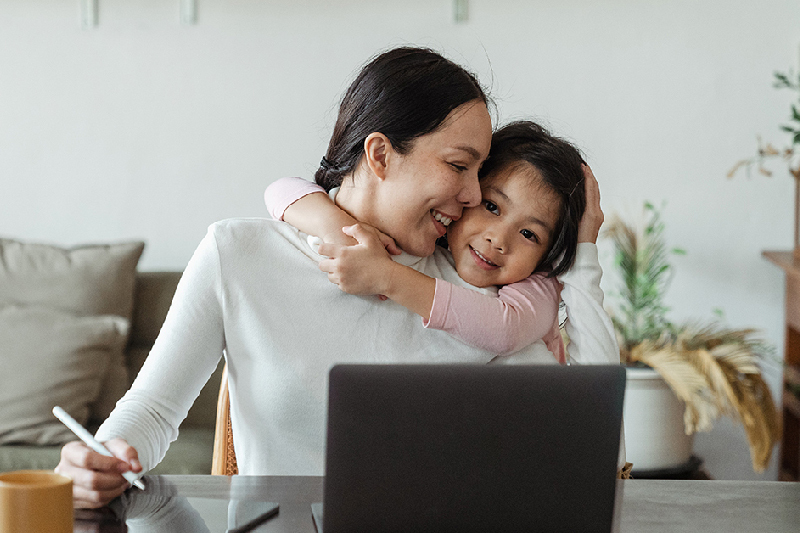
(35, 501)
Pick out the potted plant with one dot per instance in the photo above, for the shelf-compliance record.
(790, 153)
(683, 375)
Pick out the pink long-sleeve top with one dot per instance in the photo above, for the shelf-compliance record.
(519, 315)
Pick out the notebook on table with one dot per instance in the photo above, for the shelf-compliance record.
(471, 448)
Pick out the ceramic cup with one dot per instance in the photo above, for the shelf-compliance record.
(35, 501)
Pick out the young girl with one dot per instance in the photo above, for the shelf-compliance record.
(524, 234)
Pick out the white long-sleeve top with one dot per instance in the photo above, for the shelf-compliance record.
(252, 291)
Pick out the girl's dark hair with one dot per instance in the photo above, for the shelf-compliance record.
(403, 93)
(560, 165)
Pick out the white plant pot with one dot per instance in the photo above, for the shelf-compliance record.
(655, 438)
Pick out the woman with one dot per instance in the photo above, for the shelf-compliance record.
(412, 131)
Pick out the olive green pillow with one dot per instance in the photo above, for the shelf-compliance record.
(87, 280)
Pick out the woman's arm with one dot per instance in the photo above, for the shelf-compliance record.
(591, 333)
(590, 330)
(145, 421)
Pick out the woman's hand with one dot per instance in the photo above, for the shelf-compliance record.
(97, 479)
(592, 219)
(362, 268)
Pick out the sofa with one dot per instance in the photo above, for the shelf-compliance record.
(36, 442)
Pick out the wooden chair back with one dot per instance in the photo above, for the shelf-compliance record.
(224, 459)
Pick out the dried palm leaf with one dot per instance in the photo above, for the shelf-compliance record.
(713, 370)
(717, 374)
(688, 384)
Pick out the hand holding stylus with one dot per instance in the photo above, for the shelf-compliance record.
(98, 475)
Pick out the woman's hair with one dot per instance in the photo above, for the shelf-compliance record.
(403, 93)
(560, 166)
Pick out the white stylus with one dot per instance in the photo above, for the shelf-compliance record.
(91, 442)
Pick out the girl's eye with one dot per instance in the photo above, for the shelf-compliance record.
(528, 234)
(460, 168)
(491, 207)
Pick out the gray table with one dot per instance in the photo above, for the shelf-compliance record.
(191, 503)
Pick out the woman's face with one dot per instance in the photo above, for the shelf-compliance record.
(428, 187)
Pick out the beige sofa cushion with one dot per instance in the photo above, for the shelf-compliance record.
(87, 280)
(49, 358)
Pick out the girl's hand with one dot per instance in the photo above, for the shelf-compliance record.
(346, 239)
(592, 218)
(360, 269)
(97, 479)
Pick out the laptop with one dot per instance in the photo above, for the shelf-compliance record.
(471, 448)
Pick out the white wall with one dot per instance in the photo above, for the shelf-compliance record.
(144, 128)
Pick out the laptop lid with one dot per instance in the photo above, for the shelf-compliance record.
(472, 448)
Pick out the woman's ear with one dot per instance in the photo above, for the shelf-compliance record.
(377, 151)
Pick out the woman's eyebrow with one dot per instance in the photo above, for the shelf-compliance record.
(469, 149)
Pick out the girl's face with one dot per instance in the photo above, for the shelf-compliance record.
(428, 187)
(503, 240)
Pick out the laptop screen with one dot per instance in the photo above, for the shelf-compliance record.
(472, 448)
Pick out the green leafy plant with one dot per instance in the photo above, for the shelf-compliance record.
(790, 153)
(641, 259)
(712, 369)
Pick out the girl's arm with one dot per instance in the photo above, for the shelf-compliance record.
(522, 313)
(307, 207)
(367, 268)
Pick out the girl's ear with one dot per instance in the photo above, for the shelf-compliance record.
(377, 151)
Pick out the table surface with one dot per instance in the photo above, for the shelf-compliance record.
(216, 503)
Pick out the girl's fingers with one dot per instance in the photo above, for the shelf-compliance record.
(325, 265)
(330, 249)
(362, 233)
(389, 243)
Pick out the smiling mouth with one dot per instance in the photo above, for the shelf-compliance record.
(480, 256)
(441, 222)
(445, 220)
